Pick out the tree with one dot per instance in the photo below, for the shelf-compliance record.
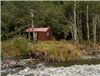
(32, 15)
(94, 28)
(87, 18)
(75, 26)
(62, 16)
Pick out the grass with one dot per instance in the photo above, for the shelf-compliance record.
(53, 50)
(58, 50)
(15, 47)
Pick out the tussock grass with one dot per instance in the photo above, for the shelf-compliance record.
(58, 50)
(53, 50)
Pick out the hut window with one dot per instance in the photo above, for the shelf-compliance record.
(47, 33)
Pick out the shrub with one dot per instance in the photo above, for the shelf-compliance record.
(15, 47)
(22, 44)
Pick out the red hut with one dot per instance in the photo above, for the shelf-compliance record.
(43, 33)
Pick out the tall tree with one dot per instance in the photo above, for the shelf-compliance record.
(87, 23)
(75, 26)
(32, 16)
(94, 28)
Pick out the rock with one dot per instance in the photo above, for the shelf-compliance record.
(10, 75)
(26, 69)
(76, 70)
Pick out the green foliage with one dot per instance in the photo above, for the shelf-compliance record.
(15, 47)
(58, 50)
(22, 44)
(16, 16)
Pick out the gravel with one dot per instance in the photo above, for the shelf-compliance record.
(75, 70)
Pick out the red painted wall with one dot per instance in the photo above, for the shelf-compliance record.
(43, 35)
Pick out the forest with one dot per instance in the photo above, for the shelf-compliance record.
(78, 20)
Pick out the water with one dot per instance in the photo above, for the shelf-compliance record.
(56, 64)
(70, 63)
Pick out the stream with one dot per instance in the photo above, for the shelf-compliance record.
(70, 63)
(16, 69)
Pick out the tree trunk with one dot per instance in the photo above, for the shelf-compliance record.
(79, 27)
(72, 33)
(98, 28)
(29, 36)
(94, 28)
(81, 35)
(32, 15)
(75, 26)
(87, 18)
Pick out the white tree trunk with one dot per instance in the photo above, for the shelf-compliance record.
(32, 15)
(94, 28)
(87, 23)
(75, 26)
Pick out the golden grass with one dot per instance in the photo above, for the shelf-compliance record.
(56, 50)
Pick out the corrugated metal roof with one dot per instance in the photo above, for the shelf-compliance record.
(42, 29)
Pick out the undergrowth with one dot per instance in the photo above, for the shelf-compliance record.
(54, 50)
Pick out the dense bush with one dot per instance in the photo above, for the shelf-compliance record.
(15, 47)
(22, 44)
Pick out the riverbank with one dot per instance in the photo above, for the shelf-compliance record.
(75, 70)
(8, 64)
(50, 51)
(23, 54)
